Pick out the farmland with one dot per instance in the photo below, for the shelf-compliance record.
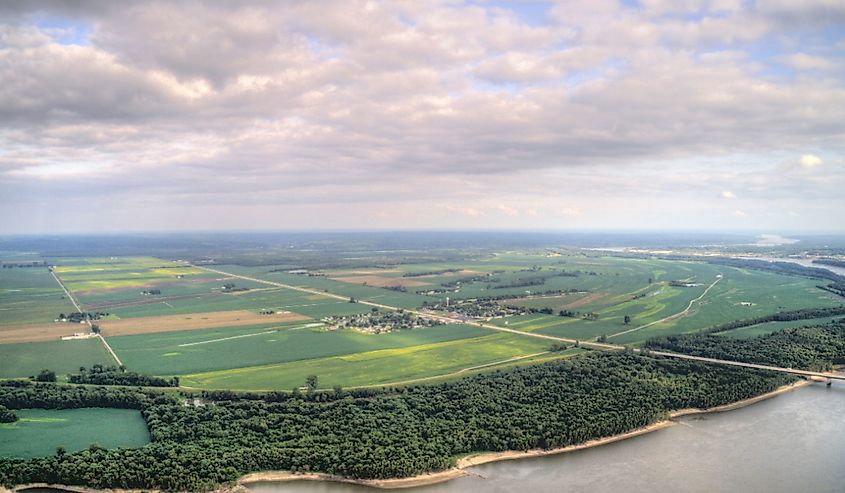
(217, 330)
(39, 431)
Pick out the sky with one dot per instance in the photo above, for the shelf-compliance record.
(636, 114)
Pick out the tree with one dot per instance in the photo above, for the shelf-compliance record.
(60, 451)
(46, 376)
(627, 319)
(95, 328)
(311, 383)
(7, 415)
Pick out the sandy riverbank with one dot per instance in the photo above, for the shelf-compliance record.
(462, 464)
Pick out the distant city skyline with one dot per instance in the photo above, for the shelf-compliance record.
(439, 115)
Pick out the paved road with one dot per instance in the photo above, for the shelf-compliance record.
(586, 344)
(87, 320)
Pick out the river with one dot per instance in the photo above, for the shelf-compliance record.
(806, 262)
(792, 442)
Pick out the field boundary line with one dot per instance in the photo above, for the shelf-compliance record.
(87, 320)
(271, 331)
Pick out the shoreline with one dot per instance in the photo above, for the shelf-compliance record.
(486, 457)
(462, 464)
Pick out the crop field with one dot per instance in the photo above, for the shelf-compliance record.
(743, 294)
(28, 358)
(30, 296)
(205, 350)
(113, 284)
(194, 321)
(385, 366)
(213, 336)
(38, 432)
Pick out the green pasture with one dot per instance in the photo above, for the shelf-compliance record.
(30, 296)
(174, 353)
(28, 358)
(38, 432)
(386, 366)
(742, 294)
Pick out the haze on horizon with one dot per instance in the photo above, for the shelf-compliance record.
(137, 116)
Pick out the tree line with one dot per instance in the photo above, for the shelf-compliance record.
(113, 375)
(812, 348)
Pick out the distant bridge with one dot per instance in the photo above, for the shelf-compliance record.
(828, 376)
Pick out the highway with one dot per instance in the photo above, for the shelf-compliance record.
(585, 344)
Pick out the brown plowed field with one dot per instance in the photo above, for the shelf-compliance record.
(193, 321)
(39, 332)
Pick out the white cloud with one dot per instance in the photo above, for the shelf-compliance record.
(809, 161)
(803, 61)
(299, 104)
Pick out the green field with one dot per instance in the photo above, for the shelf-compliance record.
(174, 353)
(30, 296)
(39, 431)
(386, 366)
(28, 358)
(280, 356)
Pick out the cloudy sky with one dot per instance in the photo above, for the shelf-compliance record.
(635, 114)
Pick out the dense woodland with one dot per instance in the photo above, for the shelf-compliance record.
(815, 348)
(113, 375)
(377, 434)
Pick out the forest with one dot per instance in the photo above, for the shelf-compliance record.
(811, 348)
(395, 432)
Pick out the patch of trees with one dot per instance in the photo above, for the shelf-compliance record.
(522, 282)
(812, 348)
(567, 313)
(590, 316)
(837, 288)
(539, 279)
(456, 283)
(151, 292)
(7, 415)
(113, 375)
(681, 284)
(45, 375)
(378, 434)
(25, 264)
(786, 316)
(230, 287)
(78, 317)
(558, 347)
(401, 289)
